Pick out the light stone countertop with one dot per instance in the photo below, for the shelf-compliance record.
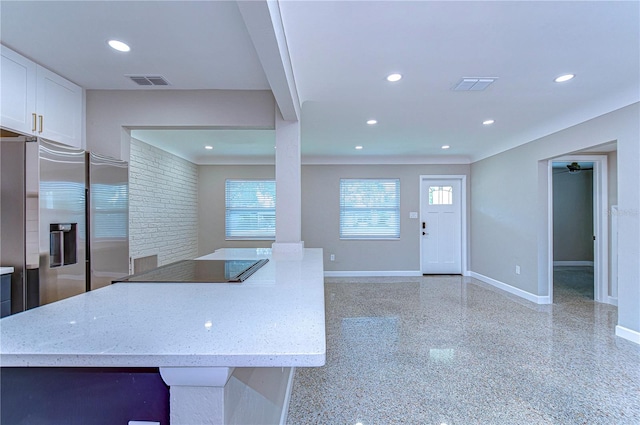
(6, 270)
(273, 319)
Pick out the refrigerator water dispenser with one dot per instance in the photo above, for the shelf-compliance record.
(62, 244)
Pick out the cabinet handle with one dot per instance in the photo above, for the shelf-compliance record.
(34, 121)
(41, 124)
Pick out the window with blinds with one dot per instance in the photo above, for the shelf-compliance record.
(369, 208)
(250, 209)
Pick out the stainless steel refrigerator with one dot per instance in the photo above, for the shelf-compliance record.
(64, 220)
(108, 220)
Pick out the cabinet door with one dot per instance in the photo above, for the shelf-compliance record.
(17, 91)
(59, 106)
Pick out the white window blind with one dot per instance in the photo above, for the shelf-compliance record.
(369, 208)
(250, 209)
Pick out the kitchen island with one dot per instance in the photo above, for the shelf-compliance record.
(226, 350)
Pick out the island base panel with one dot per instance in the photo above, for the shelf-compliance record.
(250, 395)
(82, 396)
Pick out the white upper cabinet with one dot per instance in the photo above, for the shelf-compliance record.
(39, 102)
(18, 92)
(59, 108)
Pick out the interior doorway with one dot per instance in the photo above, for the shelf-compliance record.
(573, 230)
(578, 260)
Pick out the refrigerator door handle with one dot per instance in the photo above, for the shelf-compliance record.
(32, 288)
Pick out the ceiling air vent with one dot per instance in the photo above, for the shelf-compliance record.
(149, 80)
(473, 84)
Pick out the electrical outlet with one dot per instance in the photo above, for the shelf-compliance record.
(517, 269)
(332, 257)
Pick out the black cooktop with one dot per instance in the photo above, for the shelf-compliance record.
(205, 271)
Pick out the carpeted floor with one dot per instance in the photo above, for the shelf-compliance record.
(455, 351)
(571, 283)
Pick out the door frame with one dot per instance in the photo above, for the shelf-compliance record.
(463, 214)
(600, 224)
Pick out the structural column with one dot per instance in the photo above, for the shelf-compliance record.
(197, 395)
(288, 187)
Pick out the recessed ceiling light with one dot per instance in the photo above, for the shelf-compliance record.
(119, 46)
(208, 147)
(372, 122)
(394, 77)
(445, 146)
(488, 122)
(563, 78)
(358, 147)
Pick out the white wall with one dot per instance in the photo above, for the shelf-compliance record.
(111, 113)
(321, 213)
(629, 222)
(612, 190)
(508, 204)
(211, 207)
(612, 168)
(321, 216)
(163, 205)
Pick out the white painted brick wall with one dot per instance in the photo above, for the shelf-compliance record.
(163, 204)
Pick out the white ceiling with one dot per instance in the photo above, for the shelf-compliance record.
(193, 44)
(341, 52)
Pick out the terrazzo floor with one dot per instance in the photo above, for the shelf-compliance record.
(453, 350)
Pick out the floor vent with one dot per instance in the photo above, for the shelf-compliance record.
(149, 80)
(143, 264)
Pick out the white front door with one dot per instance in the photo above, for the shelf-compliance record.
(441, 226)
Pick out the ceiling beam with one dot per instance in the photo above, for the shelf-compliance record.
(264, 24)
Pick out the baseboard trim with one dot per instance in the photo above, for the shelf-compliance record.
(628, 334)
(612, 301)
(373, 273)
(573, 263)
(512, 289)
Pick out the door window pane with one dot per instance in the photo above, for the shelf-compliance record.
(440, 195)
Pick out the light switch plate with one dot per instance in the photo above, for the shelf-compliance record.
(413, 214)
